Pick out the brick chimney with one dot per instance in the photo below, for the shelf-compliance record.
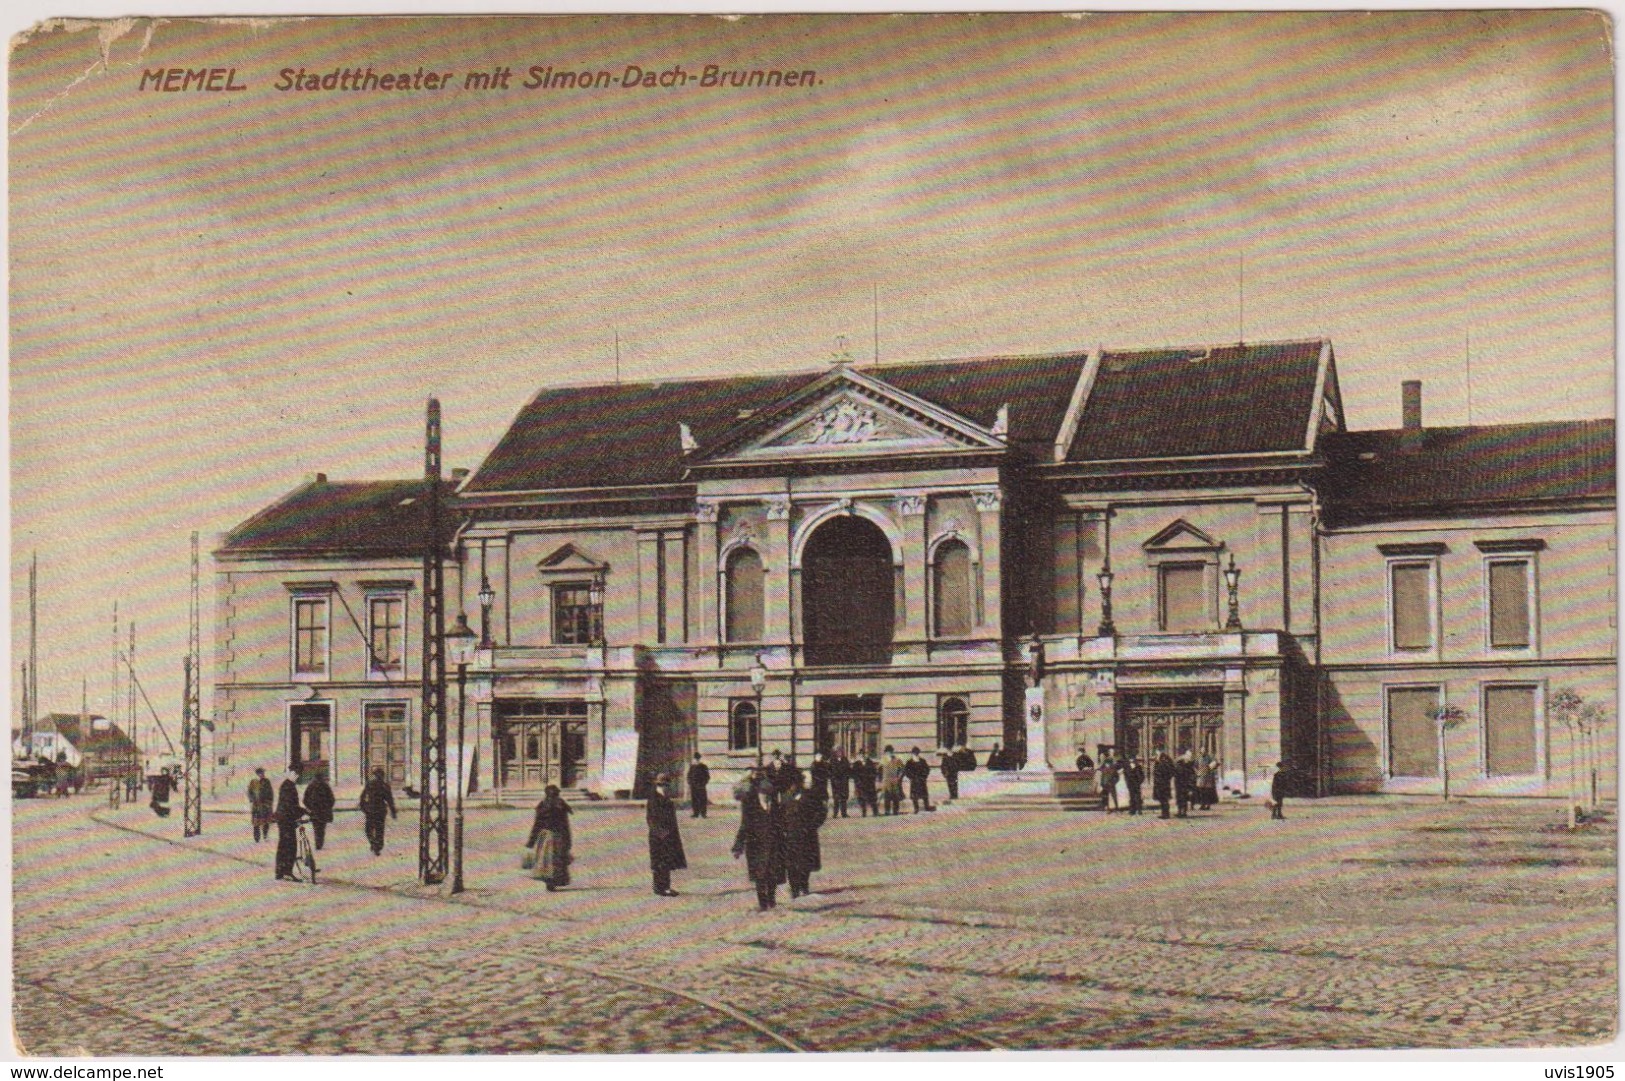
(1411, 414)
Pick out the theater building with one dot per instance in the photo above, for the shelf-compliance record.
(1183, 548)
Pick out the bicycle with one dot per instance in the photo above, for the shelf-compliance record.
(306, 853)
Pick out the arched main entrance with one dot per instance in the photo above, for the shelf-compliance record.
(846, 593)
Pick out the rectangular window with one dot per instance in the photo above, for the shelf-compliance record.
(386, 635)
(1509, 604)
(1413, 734)
(1411, 593)
(576, 620)
(1509, 731)
(1183, 602)
(309, 636)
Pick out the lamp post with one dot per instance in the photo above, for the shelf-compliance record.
(1107, 628)
(758, 683)
(460, 646)
(1232, 582)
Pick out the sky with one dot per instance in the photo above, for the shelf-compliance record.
(214, 295)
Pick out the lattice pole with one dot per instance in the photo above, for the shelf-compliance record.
(432, 840)
(192, 719)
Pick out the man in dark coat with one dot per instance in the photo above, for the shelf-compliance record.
(840, 783)
(1134, 777)
(261, 802)
(761, 841)
(1109, 772)
(865, 785)
(319, 804)
(803, 814)
(967, 759)
(160, 784)
(665, 843)
(1279, 783)
(377, 798)
(818, 787)
(699, 775)
(288, 813)
(949, 764)
(918, 772)
(996, 758)
(1162, 780)
(1184, 782)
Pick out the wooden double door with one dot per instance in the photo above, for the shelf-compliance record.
(1151, 722)
(539, 743)
(849, 723)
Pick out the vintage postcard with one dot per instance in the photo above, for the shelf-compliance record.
(651, 534)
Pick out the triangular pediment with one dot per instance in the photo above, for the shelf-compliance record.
(571, 559)
(848, 414)
(1181, 535)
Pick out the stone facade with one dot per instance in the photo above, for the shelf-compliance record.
(895, 554)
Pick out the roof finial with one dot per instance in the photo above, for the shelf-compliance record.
(690, 444)
(842, 355)
(1001, 423)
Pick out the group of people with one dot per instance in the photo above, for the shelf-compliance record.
(286, 809)
(1188, 780)
(835, 780)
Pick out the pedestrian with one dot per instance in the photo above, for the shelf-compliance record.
(665, 843)
(865, 778)
(132, 786)
(891, 783)
(376, 798)
(319, 803)
(288, 813)
(1184, 782)
(1162, 780)
(261, 802)
(1279, 781)
(918, 772)
(761, 841)
(840, 783)
(699, 775)
(948, 762)
(1084, 761)
(160, 784)
(775, 766)
(965, 759)
(996, 759)
(1108, 783)
(1134, 780)
(818, 786)
(1206, 795)
(789, 771)
(803, 814)
(549, 842)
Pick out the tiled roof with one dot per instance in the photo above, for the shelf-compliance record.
(627, 434)
(111, 738)
(381, 518)
(1395, 471)
(1171, 403)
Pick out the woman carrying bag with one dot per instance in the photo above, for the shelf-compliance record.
(547, 852)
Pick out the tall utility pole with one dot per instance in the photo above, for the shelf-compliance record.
(28, 730)
(33, 645)
(432, 841)
(192, 718)
(129, 660)
(112, 694)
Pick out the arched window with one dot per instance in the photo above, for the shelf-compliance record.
(953, 722)
(951, 589)
(744, 726)
(744, 599)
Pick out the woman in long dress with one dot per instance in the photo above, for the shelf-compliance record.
(550, 840)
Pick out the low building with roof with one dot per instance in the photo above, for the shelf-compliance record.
(1178, 548)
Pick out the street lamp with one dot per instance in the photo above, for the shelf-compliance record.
(1232, 581)
(460, 646)
(758, 683)
(1107, 627)
(488, 597)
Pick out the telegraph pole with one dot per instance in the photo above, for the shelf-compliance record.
(192, 717)
(432, 841)
(33, 644)
(129, 659)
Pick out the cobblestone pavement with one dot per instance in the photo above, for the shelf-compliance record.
(1374, 923)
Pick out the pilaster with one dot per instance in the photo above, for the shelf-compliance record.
(990, 580)
(776, 577)
(916, 567)
(649, 581)
(710, 632)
